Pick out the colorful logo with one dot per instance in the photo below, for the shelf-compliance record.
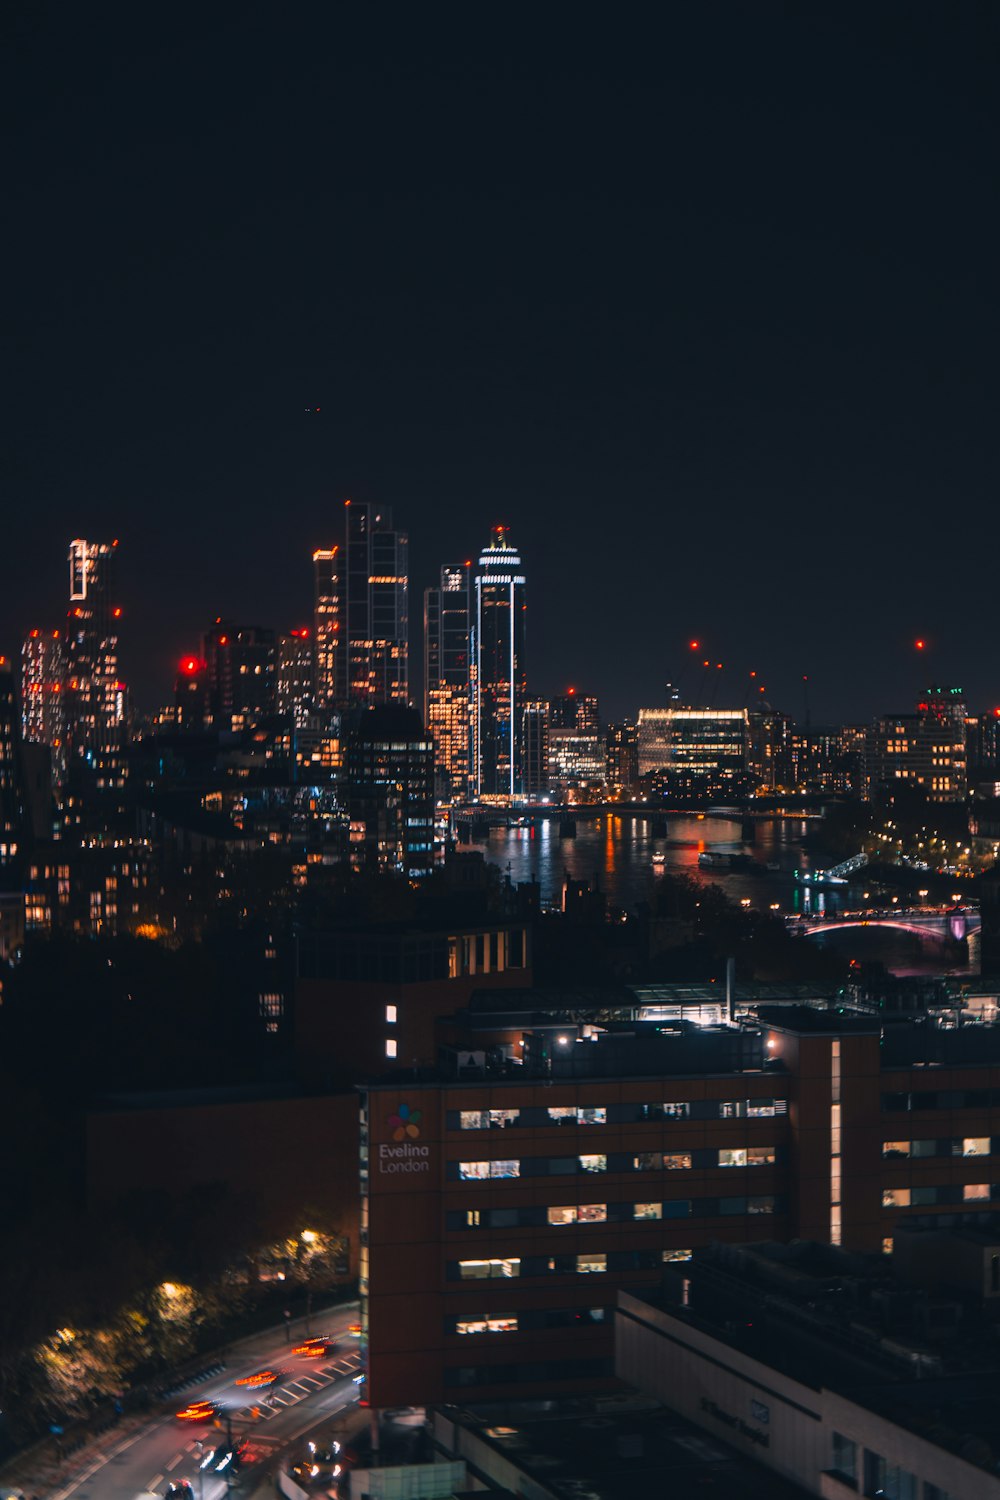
(406, 1124)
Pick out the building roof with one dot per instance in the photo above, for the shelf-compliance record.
(617, 1448)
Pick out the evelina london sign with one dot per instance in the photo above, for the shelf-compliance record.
(404, 1157)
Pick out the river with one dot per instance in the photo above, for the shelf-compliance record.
(616, 850)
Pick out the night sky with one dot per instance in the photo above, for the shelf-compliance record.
(704, 308)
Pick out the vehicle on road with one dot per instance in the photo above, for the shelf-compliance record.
(198, 1411)
(227, 1457)
(320, 1464)
(354, 1329)
(316, 1348)
(261, 1377)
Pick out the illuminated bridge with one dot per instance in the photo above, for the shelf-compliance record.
(944, 926)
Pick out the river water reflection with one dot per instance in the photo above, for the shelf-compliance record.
(616, 850)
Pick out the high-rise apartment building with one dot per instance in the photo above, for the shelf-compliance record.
(43, 695)
(390, 791)
(294, 689)
(622, 759)
(192, 710)
(926, 750)
(96, 702)
(536, 747)
(576, 747)
(375, 654)
(326, 626)
(578, 711)
(447, 679)
(499, 681)
(241, 663)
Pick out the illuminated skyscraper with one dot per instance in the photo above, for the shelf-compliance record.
(326, 626)
(374, 658)
(43, 682)
(295, 676)
(96, 711)
(447, 687)
(499, 683)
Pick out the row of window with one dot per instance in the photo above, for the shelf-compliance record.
(951, 1192)
(957, 1145)
(941, 1099)
(536, 1370)
(879, 1479)
(537, 1216)
(588, 1263)
(621, 1161)
(531, 1117)
(527, 1319)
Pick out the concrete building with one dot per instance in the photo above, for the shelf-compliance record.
(821, 1368)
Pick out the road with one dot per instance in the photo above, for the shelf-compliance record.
(166, 1449)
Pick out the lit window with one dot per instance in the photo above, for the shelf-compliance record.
(671, 1255)
(563, 1215)
(593, 1163)
(676, 1111)
(479, 1171)
(486, 1324)
(592, 1213)
(974, 1191)
(676, 1161)
(895, 1148)
(887, 1244)
(390, 1047)
(976, 1145)
(487, 1119)
(390, 1014)
(895, 1197)
(760, 1156)
(489, 1270)
(733, 1157)
(590, 1264)
(647, 1210)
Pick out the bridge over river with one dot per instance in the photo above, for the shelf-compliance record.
(945, 926)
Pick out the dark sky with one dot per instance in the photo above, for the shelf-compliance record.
(704, 307)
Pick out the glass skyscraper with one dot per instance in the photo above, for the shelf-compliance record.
(447, 683)
(375, 665)
(499, 688)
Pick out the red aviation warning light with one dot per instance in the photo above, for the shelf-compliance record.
(693, 645)
(920, 645)
(191, 665)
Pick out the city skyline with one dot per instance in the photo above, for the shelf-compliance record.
(695, 678)
(692, 314)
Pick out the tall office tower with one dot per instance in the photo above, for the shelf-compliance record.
(326, 626)
(375, 620)
(295, 676)
(43, 682)
(536, 747)
(499, 682)
(96, 699)
(447, 684)
(240, 660)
